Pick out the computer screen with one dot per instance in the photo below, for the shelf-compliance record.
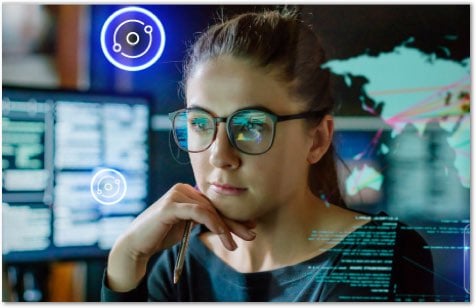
(413, 178)
(75, 171)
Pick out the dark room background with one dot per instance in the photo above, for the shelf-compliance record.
(58, 47)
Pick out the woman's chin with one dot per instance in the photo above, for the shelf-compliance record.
(234, 210)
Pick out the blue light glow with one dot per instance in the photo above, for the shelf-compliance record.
(122, 20)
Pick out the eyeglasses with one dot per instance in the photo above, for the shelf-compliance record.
(251, 131)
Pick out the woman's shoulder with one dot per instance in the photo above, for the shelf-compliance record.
(383, 254)
(382, 230)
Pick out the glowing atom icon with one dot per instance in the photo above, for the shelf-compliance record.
(108, 186)
(132, 38)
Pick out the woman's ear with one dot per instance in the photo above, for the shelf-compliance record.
(321, 139)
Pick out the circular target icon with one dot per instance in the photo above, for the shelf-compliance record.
(108, 186)
(132, 38)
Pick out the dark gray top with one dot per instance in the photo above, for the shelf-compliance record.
(383, 260)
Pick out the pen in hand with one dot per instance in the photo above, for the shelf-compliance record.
(182, 251)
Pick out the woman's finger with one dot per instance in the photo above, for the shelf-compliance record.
(240, 229)
(205, 215)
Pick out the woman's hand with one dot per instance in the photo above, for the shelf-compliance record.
(161, 226)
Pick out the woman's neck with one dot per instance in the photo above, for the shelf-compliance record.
(282, 237)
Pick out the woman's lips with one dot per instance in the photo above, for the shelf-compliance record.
(228, 190)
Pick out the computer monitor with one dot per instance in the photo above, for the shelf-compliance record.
(75, 171)
(412, 177)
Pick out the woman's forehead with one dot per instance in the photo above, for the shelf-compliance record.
(227, 84)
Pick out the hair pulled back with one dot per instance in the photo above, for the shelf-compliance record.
(280, 43)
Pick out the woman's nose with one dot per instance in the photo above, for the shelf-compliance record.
(222, 152)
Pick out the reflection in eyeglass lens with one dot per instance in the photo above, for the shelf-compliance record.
(250, 126)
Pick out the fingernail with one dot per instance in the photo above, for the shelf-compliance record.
(227, 241)
(233, 244)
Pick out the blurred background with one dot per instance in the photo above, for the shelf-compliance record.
(400, 76)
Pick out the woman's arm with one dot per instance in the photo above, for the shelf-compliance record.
(161, 226)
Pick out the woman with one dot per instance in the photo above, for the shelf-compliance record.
(258, 129)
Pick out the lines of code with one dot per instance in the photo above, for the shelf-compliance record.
(367, 255)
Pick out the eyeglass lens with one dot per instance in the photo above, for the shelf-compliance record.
(250, 131)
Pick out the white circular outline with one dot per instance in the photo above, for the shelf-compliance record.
(151, 61)
(136, 42)
(116, 181)
(148, 46)
(114, 36)
(91, 186)
(116, 45)
(100, 191)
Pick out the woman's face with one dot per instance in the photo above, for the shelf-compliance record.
(243, 186)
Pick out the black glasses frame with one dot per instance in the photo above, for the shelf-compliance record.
(227, 120)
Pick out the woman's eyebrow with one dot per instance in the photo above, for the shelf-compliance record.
(194, 106)
(191, 106)
(257, 106)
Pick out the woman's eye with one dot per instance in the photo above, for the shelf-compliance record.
(251, 132)
(254, 123)
(200, 124)
(250, 126)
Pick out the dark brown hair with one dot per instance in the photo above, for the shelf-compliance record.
(279, 42)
